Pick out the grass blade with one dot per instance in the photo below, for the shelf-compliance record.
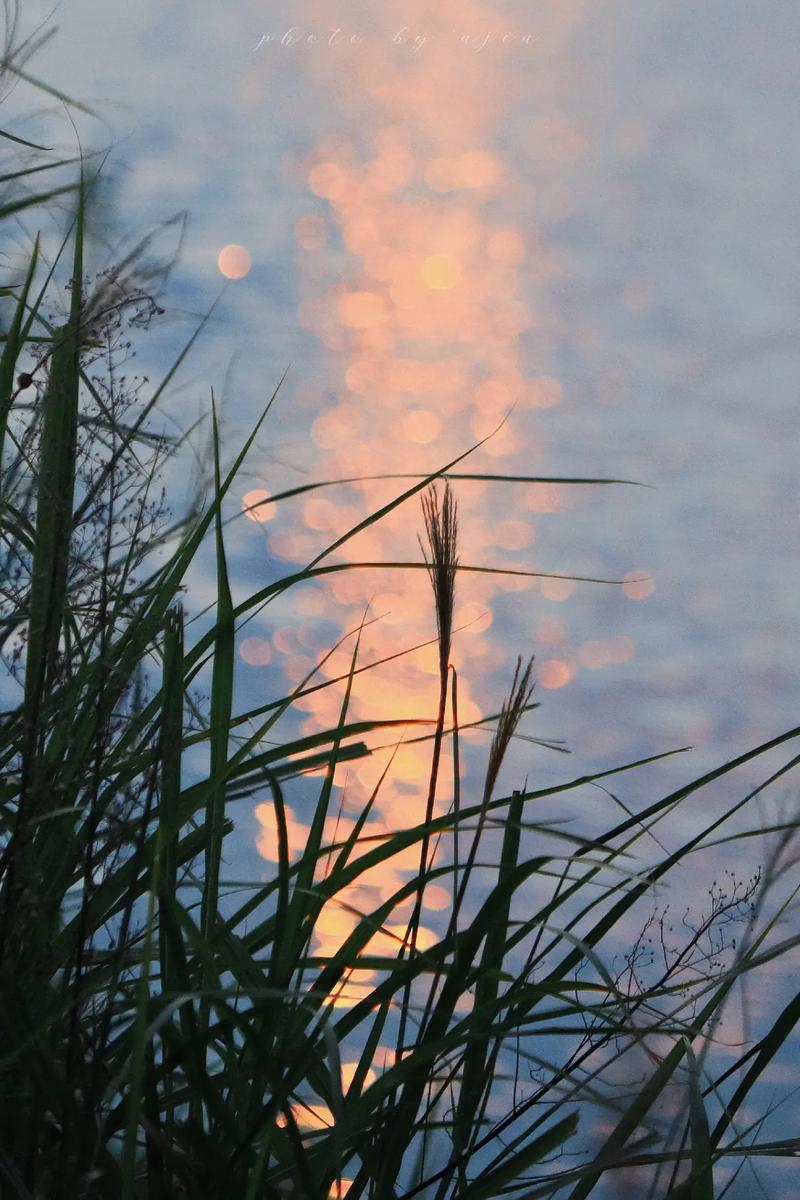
(221, 708)
(12, 347)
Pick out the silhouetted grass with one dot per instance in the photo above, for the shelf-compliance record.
(154, 1045)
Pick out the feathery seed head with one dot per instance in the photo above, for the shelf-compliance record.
(441, 527)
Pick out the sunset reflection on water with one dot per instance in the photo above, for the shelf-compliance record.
(412, 252)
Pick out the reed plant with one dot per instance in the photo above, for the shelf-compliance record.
(167, 1033)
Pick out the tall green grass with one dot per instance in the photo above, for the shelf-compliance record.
(166, 1033)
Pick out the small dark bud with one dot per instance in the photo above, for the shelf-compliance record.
(24, 380)
(161, 311)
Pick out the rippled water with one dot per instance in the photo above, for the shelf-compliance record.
(580, 215)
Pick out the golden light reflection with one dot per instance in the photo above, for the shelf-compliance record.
(234, 261)
(353, 989)
(256, 506)
(362, 310)
(326, 179)
(441, 272)
(429, 281)
(474, 616)
(267, 840)
(473, 169)
(543, 498)
(255, 651)
(422, 426)
(310, 602)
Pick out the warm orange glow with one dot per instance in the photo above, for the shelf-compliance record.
(360, 235)
(441, 175)
(493, 396)
(543, 497)
(476, 617)
(348, 589)
(267, 840)
(361, 310)
(441, 272)
(309, 1116)
(424, 302)
(320, 514)
(506, 246)
(389, 607)
(234, 261)
(393, 168)
(288, 544)
(388, 941)
(255, 651)
(479, 169)
(284, 639)
(474, 169)
(327, 179)
(427, 659)
(255, 505)
(436, 897)
(352, 992)
(513, 534)
(309, 601)
(517, 582)
(465, 1003)
(422, 426)
(554, 673)
(638, 585)
(348, 1074)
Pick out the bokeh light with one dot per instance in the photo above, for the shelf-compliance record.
(638, 585)
(441, 272)
(234, 261)
(255, 651)
(256, 506)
